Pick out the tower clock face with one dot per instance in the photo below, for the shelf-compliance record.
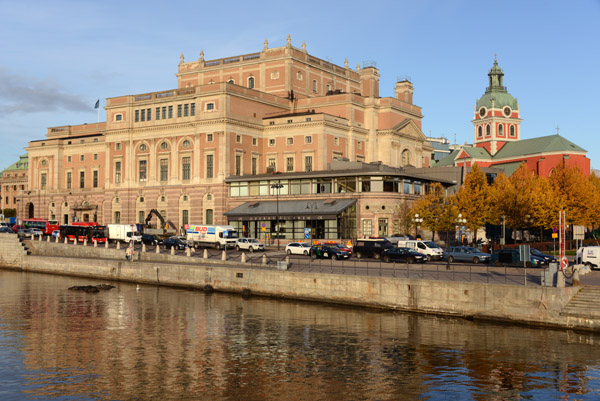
(482, 112)
(507, 111)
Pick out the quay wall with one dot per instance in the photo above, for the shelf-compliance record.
(500, 302)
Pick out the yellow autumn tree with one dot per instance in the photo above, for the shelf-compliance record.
(574, 193)
(473, 200)
(438, 211)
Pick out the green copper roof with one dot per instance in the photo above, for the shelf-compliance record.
(473, 152)
(551, 143)
(448, 160)
(497, 92)
(509, 168)
(21, 164)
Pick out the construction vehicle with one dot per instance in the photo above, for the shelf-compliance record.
(167, 227)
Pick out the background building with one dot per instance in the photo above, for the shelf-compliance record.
(497, 137)
(14, 185)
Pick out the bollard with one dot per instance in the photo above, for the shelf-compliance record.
(75, 240)
(118, 244)
(287, 260)
(56, 240)
(85, 242)
(188, 252)
(205, 256)
(157, 249)
(143, 247)
(106, 243)
(243, 257)
(66, 240)
(172, 250)
(223, 255)
(264, 259)
(95, 244)
(40, 238)
(48, 240)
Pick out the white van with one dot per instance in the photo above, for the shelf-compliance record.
(429, 248)
(589, 256)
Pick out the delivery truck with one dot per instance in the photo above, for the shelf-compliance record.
(211, 236)
(123, 233)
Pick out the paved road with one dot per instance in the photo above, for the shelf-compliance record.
(484, 273)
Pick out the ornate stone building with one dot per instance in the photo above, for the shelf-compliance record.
(280, 110)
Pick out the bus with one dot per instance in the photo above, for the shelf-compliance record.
(90, 231)
(46, 226)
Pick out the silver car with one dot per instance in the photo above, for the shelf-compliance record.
(249, 244)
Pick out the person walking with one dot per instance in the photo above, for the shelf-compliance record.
(129, 252)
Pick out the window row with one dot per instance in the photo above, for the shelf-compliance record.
(488, 130)
(69, 180)
(166, 112)
(330, 185)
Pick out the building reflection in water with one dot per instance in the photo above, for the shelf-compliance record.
(175, 344)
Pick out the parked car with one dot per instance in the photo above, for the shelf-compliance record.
(151, 239)
(6, 230)
(371, 247)
(403, 255)
(343, 247)
(55, 234)
(547, 259)
(328, 252)
(512, 257)
(297, 248)
(466, 254)
(176, 242)
(249, 244)
(30, 233)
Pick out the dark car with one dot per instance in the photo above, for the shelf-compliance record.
(546, 259)
(344, 248)
(371, 247)
(512, 257)
(6, 230)
(175, 242)
(466, 254)
(327, 252)
(151, 239)
(403, 255)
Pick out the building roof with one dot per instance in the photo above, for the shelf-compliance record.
(477, 153)
(542, 144)
(448, 160)
(21, 164)
(324, 208)
(496, 93)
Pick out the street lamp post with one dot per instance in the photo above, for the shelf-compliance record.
(277, 186)
(417, 220)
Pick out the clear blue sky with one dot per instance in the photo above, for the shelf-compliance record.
(59, 57)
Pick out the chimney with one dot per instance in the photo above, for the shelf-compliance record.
(404, 91)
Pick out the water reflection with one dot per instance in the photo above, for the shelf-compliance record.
(171, 344)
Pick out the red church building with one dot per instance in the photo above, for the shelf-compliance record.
(497, 137)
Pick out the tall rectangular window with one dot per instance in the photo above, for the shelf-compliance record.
(43, 181)
(141, 218)
(272, 163)
(143, 165)
(254, 166)
(185, 218)
(186, 110)
(170, 111)
(164, 169)
(117, 172)
(117, 217)
(209, 216)
(367, 228)
(238, 164)
(179, 108)
(137, 116)
(164, 112)
(149, 113)
(69, 180)
(193, 109)
(186, 168)
(95, 178)
(308, 163)
(82, 179)
(143, 116)
(158, 113)
(289, 164)
(209, 166)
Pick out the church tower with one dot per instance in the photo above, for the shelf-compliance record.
(496, 119)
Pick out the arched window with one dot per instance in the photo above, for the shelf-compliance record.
(487, 130)
(231, 81)
(512, 130)
(251, 82)
(405, 157)
(479, 131)
(500, 130)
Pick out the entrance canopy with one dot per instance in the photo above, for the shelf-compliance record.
(322, 209)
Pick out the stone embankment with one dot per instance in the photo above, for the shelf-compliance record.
(537, 305)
